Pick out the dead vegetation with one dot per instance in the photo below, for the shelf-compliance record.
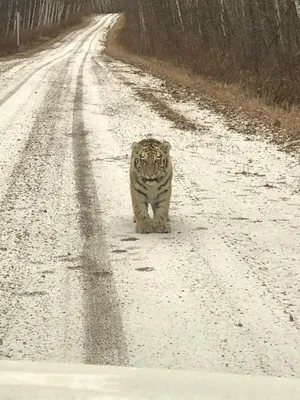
(233, 99)
(251, 42)
(165, 111)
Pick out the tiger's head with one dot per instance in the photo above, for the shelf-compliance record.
(151, 159)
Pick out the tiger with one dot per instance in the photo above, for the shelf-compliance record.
(151, 174)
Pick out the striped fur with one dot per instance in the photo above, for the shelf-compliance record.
(151, 183)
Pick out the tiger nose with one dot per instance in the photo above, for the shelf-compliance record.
(151, 171)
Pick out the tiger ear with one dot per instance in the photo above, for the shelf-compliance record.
(166, 146)
(135, 147)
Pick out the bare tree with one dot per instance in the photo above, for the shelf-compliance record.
(42, 16)
(256, 42)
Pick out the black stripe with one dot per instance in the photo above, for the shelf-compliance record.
(165, 191)
(143, 186)
(164, 184)
(162, 201)
(139, 191)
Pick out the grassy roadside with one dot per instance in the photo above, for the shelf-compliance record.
(233, 101)
(45, 41)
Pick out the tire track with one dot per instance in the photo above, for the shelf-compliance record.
(19, 59)
(65, 66)
(34, 155)
(72, 52)
(22, 216)
(20, 208)
(105, 342)
(6, 66)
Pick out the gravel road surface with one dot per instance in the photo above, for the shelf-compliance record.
(220, 292)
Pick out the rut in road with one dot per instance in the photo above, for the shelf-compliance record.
(23, 220)
(73, 51)
(102, 314)
(56, 299)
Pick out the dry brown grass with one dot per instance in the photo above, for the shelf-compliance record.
(231, 100)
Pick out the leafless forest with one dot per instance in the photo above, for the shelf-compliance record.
(253, 42)
(44, 17)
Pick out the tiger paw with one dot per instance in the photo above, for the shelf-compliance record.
(144, 227)
(161, 227)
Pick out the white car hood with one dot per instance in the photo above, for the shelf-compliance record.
(52, 381)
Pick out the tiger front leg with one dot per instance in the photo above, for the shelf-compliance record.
(161, 217)
(140, 211)
(142, 219)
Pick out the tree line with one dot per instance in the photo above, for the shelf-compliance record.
(253, 42)
(256, 42)
(44, 16)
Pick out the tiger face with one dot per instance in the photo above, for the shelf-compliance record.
(151, 159)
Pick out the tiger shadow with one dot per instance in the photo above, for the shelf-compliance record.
(179, 226)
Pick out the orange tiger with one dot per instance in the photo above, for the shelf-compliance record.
(151, 174)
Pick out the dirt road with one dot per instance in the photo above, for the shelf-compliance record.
(77, 284)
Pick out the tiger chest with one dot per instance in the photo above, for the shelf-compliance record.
(152, 192)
